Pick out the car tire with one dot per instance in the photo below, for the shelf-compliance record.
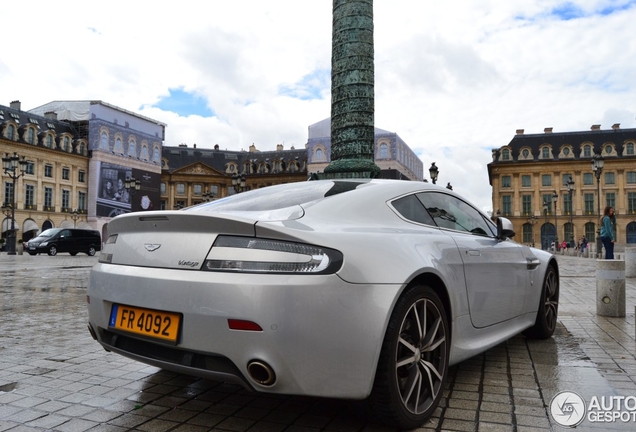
(548, 310)
(52, 250)
(32, 253)
(73, 253)
(414, 356)
(91, 251)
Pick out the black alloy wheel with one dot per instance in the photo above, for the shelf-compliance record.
(548, 310)
(414, 359)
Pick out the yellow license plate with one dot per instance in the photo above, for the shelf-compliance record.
(146, 322)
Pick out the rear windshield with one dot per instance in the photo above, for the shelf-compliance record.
(281, 196)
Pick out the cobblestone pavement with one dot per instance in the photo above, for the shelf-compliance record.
(53, 376)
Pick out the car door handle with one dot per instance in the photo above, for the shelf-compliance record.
(533, 263)
(473, 252)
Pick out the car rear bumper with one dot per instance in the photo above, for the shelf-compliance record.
(321, 335)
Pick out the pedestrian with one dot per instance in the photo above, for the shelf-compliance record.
(607, 233)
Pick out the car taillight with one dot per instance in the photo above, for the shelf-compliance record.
(254, 255)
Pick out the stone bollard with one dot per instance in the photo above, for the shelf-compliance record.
(610, 288)
(630, 262)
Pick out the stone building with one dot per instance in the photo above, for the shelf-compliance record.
(534, 172)
(394, 157)
(191, 175)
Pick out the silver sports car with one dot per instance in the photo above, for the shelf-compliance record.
(342, 289)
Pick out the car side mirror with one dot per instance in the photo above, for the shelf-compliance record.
(505, 230)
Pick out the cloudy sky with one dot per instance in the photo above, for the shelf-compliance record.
(453, 79)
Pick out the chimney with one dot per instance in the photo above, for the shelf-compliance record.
(616, 126)
(596, 127)
(16, 105)
(252, 148)
(519, 131)
(547, 130)
(51, 115)
(195, 145)
(279, 147)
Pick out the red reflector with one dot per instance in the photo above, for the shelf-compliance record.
(235, 324)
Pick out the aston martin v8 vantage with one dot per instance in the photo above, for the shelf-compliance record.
(359, 289)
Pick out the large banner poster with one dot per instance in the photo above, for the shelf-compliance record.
(114, 199)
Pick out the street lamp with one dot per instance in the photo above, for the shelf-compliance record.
(132, 185)
(544, 230)
(11, 165)
(532, 220)
(208, 196)
(238, 182)
(555, 198)
(75, 216)
(597, 167)
(434, 172)
(570, 186)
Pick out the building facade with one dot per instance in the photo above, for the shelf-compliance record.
(547, 186)
(89, 161)
(394, 157)
(73, 149)
(192, 175)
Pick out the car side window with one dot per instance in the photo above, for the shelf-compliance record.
(450, 212)
(412, 209)
(65, 234)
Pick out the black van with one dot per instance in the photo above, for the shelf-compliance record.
(71, 240)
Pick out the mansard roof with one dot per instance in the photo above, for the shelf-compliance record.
(595, 137)
(217, 159)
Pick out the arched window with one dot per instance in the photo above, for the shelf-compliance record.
(119, 147)
(631, 232)
(67, 144)
(30, 135)
(384, 151)
(11, 132)
(319, 154)
(587, 151)
(144, 153)
(545, 153)
(104, 141)
(132, 150)
(155, 155)
(505, 154)
(590, 231)
(49, 141)
(527, 234)
(630, 148)
(609, 149)
(81, 148)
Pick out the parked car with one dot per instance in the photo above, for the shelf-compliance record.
(345, 289)
(71, 240)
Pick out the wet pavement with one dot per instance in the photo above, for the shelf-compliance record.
(54, 376)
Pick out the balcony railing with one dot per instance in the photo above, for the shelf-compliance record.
(30, 207)
(48, 208)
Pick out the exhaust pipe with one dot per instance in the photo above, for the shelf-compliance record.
(261, 372)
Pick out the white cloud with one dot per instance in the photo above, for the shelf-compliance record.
(452, 79)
